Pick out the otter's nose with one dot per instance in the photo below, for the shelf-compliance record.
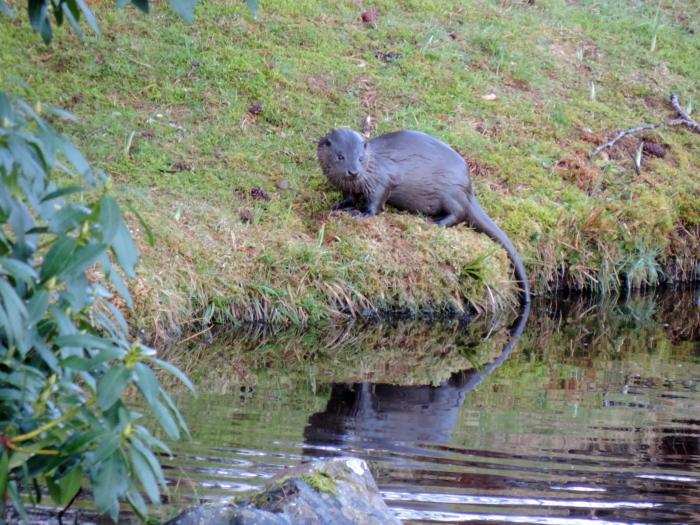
(352, 173)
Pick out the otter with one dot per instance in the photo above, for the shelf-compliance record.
(411, 171)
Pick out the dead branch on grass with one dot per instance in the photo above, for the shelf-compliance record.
(683, 119)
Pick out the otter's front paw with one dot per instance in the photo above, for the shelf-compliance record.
(345, 204)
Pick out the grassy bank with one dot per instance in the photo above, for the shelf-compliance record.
(210, 131)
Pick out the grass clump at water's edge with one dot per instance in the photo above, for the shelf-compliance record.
(201, 125)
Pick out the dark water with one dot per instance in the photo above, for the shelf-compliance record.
(594, 417)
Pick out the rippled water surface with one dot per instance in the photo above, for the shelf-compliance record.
(594, 417)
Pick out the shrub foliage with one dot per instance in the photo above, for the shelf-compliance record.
(66, 360)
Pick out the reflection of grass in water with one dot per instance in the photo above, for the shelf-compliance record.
(403, 353)
(418, 353)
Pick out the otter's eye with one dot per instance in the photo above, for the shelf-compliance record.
(362, 159)
(340, 156)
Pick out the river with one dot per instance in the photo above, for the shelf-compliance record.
(593, 417)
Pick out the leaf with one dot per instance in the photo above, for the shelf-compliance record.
(119, 317)
(137, 503)
(150, 457)
(82, 259)
(110, 217)
(253, 6)
(14, 309)
(125, 250)
(147, 382)
(68, 218)
(58, 14)
(107, 447)
(110, 482)
(69, 190)
(17, 502)
(80, 363)
(17, 269)
(70, 484)
(61, 113)
(6, 9)
(146, 227)
(88, 16)
(54, 490)
(174, 371)
(90, 342)
(180, 420)
(42, 349)
(184, 9)
(121, 287)
(5, 104)
(141, 4)
(4, 472)
(151, 441)
(76, 158)
(25, 156)
(11, 394)
(165, 419)
(145, 475)
(71, 19)
(39, 18)
(58, 257)
(111, 386)
(80, 441)
(63, 490)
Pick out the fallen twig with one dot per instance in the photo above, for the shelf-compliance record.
(367, 126)
(683, 119)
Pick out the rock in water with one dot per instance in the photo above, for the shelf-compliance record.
(332, 492)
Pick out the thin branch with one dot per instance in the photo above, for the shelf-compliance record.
(683, 115)
(683, 119)
(624, 133)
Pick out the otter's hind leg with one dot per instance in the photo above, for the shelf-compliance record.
(448, 220)
(455, 206)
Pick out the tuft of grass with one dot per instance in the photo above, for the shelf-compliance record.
(523, 91)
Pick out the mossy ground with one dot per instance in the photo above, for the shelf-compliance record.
(191, 120)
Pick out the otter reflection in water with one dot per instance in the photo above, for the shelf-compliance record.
(390, 415)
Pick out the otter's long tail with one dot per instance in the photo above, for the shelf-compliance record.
(480, 221)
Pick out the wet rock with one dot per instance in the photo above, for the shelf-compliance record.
(227, 514)
(340, 491)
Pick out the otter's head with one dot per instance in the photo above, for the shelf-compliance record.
(343, 155)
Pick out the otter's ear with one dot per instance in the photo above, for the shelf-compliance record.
(325, 142)
(365, 144)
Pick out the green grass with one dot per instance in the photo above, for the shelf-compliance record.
(164, 110)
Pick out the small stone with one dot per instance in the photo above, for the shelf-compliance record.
(259, 194)
(181, 165)
(655, 150)
(256, 109)
(283, 184)
(387, 56)
(369, 16)
(246, 216)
